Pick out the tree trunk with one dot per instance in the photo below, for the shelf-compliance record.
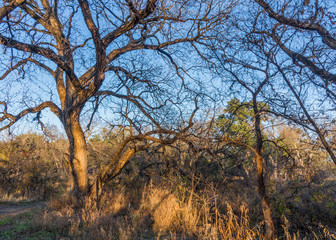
(78, 157)
(110, 171)
(266, 208)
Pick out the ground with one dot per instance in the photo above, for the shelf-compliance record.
(14, 209)
(16, 221)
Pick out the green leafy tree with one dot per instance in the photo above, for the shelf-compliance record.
(236, 123)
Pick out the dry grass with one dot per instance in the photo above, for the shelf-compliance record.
(174, 204)
(13, 198)
(159, 213)
(232, 226)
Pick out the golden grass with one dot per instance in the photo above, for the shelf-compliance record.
(14, 198)
(160, 214)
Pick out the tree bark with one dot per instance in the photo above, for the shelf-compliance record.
(114, 168)
(78, 156)
(266, 208)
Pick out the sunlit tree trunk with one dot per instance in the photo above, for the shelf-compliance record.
(78, 156)
(266, 208)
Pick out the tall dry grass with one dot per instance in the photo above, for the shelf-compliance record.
(159, 213)
(149, 211)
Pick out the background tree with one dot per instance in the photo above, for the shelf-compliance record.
(304, 32)
(247, 70)
(255, 56)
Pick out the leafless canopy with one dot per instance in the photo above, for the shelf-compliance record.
(83, 51)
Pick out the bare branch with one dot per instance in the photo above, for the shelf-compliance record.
(45, 52)
(23, 62)
(14, 118)
(149, 9)
(299, 57)
(326, 36)
(6, 9)
(311, 120)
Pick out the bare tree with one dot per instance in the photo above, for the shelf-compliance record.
(293, 47)
(84, 47)
(304, 31)
(248, 73)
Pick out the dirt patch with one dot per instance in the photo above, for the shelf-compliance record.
(8, 210)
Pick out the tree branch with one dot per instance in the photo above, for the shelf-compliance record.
(135, 18)
(6, 9)
(299, 57)
(326, 36)
(45, 52)
(23, 62)
(14, 118)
